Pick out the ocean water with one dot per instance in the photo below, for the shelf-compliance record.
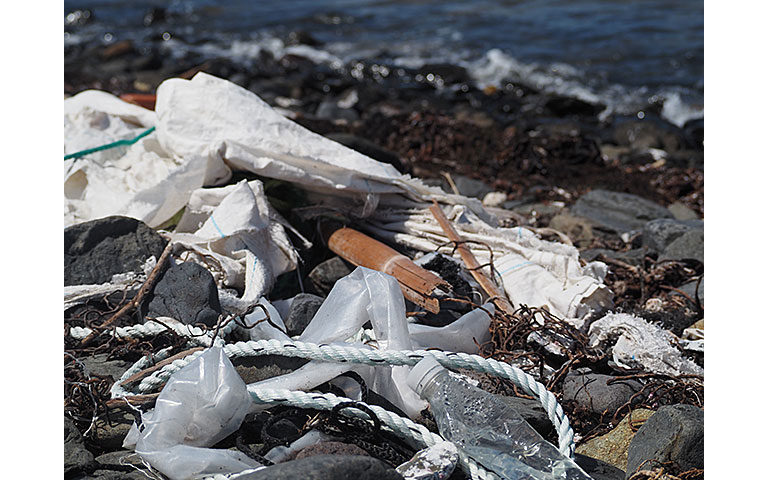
(626, 54)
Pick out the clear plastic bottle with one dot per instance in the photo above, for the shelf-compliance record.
(487, 429)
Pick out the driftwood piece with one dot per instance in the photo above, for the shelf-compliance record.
(418, 284)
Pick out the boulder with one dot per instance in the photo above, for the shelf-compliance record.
(188, 293)
(618, 212)
(673, 434)
(329, 467)
(98, 249)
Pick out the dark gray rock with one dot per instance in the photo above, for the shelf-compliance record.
(598, 469)
(469, 187)
(325, 274)
(533, 413)
(256, 369)
(109, 436)
(96, 250)
(99, 365)
(329, 467)
(565, 106)
(368, 148)
(188, 293)
(632, 257)
(330, 448)
(675, 433)
(689, 246)
(659, 233)
(618, 212)
(119, 473)
(120, 457)
(76, 457)
(303, 309)
(592, 391)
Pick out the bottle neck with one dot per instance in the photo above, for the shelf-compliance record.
(433, 383)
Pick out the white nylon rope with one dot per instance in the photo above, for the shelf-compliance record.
(344, 354)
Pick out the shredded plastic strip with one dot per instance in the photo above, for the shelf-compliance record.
(119, 143)
(343, 354)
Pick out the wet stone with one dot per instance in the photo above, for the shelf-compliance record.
(188, 293)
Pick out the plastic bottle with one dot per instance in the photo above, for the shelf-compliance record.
(487, 429)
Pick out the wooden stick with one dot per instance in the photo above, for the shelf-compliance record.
(470, 261)
(148, 284)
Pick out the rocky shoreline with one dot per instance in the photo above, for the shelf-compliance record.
(627, 191)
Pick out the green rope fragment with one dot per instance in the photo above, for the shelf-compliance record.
(118, 143)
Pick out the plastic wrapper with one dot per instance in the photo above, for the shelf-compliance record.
(200, 405)
(635, 343)
(462, 335)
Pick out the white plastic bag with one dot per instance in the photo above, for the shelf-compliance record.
(200, 405)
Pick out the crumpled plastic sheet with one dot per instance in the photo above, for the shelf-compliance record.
(363, 295)
(200, 405)
(635, 343)
(236, 226)
(207, 127)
